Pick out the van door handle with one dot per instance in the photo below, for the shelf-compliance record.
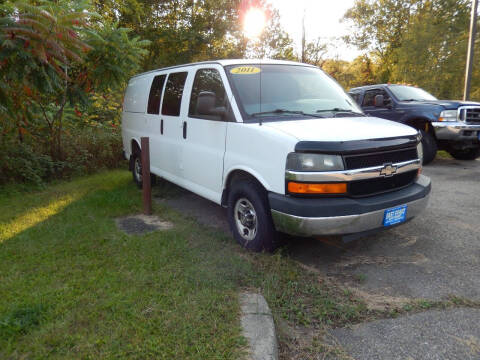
(184, 129)
(161, 126)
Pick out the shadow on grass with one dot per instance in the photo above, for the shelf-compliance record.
(20, 321)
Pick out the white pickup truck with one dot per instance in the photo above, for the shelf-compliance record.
(279, 144)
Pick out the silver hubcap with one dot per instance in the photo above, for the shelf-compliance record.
(245, 219)
(138, 169)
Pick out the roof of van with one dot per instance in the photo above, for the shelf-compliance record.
(227, 62)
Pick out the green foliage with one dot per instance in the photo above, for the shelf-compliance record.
(180, 31)
(38, 44)
(89, 149)
(361, 71)
(62, 71)
(114, 57)
(21, 163)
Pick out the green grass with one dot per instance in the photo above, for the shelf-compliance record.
(444, 155)
(73, 286)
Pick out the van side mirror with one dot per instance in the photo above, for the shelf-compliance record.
(379, 101)
(206, 105)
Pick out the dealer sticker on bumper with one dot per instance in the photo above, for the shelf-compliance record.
(395, 215)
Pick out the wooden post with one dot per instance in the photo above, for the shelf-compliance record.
(147, 186)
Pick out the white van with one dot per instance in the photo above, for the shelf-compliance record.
(279, 144)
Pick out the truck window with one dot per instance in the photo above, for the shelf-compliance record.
(369, 98)
(172, 98)
(211, 81)
(155, 94)
(356, 97)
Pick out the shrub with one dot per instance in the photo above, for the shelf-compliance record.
(20, 163)
(86, 150)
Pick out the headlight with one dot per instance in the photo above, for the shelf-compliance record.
(420, 151)
(314, 162)
(448, 115)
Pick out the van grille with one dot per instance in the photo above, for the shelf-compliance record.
(470, 115)
(379, 159)
(382, 184)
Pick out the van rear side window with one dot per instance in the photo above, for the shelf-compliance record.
(172, 98)
(155, 94)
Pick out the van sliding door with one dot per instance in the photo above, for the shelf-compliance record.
(169, 149)
(203, 141)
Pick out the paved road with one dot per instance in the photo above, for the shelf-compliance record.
(432, 335)
(431, 257)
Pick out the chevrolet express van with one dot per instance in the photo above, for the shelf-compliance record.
(279, 144)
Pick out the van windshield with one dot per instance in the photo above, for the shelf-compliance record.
(271, 92)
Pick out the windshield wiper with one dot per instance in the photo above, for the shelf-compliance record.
(284, 111)
(338, 110)
(413, 100)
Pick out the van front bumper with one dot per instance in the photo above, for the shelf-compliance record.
(345, 216)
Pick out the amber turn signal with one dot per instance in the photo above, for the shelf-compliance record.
(301, 188)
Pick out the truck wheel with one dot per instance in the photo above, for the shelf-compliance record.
(137, 170)
(249, 216)
(467, 154)
(429, 145)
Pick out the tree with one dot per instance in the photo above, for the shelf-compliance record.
(180, 31)
(422, 42)
(53, 56)
(432, 53)
(274, 42)
(315, 52)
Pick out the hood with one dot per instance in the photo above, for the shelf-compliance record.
(446, 104)
(341, 129)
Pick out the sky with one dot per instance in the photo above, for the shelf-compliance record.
(322, 19)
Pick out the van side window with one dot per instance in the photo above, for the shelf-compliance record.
(155, 94)
(207, 80)
(369, 98)
(172, 98)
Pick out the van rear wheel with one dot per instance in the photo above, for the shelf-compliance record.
(137, 170)
(249, 216)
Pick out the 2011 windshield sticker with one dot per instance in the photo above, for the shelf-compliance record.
(245, 70)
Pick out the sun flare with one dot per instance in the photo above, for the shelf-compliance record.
(254, 23)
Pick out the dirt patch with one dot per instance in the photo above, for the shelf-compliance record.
(373, 301)
(141, 224)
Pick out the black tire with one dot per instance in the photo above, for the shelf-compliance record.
(245, 194)
(137, 166)
(137, 169)
(466, 154)
(429, 145)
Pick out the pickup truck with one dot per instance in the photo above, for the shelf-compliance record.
(453, 126)
(279, 144)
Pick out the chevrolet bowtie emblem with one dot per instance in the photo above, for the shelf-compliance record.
(388, 170)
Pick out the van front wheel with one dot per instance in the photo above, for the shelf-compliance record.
(249, 216)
